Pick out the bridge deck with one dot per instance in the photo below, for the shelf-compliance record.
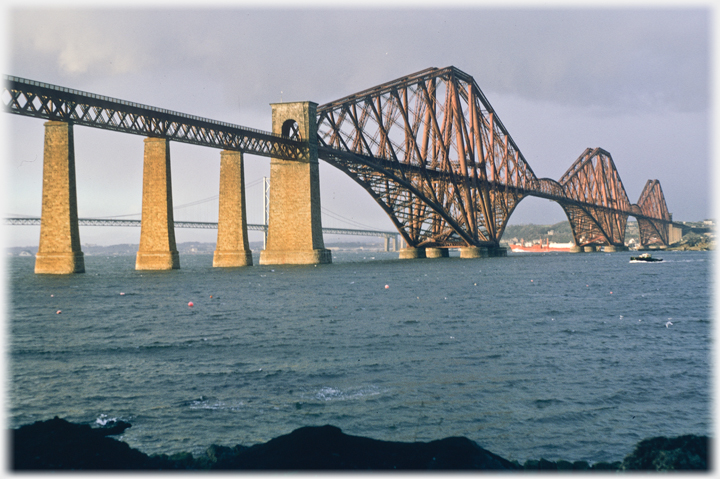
(41, 100)
(51, 102)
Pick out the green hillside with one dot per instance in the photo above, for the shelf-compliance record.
(557, 233)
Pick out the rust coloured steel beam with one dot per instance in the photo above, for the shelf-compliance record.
(455, 173)
(653, 206)
(593, 179)
(428, 147)
(433, 153)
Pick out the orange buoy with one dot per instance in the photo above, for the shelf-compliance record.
(191, 304)
(58, 312)
(387, 286)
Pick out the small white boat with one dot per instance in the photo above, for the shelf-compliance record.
(645, 258)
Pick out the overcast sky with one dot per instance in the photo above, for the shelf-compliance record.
(634, 81)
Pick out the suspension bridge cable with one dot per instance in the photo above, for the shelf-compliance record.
(117, 216)
(185, 205)
(213, 198)
(330, 213)
(196, 202)
(338, 217)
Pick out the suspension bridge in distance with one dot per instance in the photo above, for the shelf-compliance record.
(390, 237)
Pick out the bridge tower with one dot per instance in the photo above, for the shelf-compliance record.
(59, 248)
(294, 224)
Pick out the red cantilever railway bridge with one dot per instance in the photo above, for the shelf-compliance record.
(428, 147)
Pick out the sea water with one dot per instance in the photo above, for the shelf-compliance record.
(559, 356)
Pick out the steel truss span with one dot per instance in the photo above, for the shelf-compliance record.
(51, 102)
(652, 205)
(433, 153)
(428, 147)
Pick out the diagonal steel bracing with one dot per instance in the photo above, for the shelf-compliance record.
(652, 205)
(433, 153)
(428, 147)
(452, 174)
(594, 180)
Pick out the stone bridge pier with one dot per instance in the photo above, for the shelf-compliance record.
(294, 229)
(294, 224)
(157, 249)
(233, 248)
(59, 248)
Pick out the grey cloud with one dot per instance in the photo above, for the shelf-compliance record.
(609, 59)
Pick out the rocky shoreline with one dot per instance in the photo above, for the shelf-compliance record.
(57, 444)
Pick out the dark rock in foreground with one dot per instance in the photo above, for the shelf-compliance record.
(60, 445)
(669, 454)
(327, 447)
(57, 444)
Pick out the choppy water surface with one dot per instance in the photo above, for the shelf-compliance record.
(558, 356)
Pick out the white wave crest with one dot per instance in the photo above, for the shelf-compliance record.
(333, 394)
(103, 419)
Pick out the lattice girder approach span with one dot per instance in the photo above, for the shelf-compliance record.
(593, 180)
(432, 152)
(25, 97)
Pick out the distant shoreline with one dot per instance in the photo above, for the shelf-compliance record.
(209, 248)
(190, 247)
